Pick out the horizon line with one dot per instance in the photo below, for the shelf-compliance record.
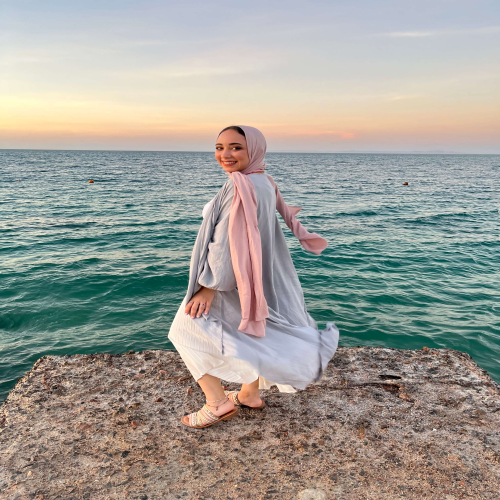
(408, 152)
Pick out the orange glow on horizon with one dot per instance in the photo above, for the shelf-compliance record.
(62, 121)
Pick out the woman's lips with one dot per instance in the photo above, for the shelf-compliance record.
(229, 163)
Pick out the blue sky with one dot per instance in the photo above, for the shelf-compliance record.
(313, 76)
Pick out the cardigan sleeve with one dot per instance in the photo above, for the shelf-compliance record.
(218, 271)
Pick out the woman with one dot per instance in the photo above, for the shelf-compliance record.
(244, 318)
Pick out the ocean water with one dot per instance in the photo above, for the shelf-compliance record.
(102, 267)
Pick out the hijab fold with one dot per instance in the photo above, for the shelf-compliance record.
(244, 236)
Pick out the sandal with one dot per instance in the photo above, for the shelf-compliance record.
(205, 418)
(233, 396)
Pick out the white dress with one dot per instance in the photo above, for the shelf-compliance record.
(293, 352)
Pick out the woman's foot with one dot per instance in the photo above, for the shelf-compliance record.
(211, 413)
(252, 400)
(221, 409)
(249, 401)
(249, 395)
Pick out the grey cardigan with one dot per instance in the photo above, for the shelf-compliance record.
(293, 351)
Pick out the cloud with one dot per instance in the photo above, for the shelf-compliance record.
(403, 97)
(194, 70)
(189, 72)
(416, 34)
(342, 135)
(212, 63)
(318, 134)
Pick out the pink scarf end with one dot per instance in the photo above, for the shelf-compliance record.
(251, 327)
(314, 243)
(294, 210)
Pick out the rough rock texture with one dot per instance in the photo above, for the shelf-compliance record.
(381, 424)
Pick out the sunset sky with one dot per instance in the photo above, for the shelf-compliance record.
(315, 75)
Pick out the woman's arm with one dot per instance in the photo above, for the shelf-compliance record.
(215, 271)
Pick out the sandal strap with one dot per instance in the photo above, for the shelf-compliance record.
(233, 396)
(202, 417)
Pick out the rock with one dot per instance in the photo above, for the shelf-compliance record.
(312, 494)
(364, 430)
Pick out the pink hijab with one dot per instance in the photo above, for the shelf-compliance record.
(244, 236)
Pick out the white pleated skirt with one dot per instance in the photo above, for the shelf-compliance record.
(210, 361)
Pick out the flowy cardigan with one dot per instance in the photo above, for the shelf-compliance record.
(293, 352)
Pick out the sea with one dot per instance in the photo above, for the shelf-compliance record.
(413, 256)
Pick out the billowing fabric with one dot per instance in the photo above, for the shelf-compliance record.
(245, 239)
(293, 351)
(312, 242)
(211, 361)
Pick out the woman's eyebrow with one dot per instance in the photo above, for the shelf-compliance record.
(232, 144)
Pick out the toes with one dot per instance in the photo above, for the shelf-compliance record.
(185, 420)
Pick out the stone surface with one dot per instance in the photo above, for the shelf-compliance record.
(381, 424)
(312, 494)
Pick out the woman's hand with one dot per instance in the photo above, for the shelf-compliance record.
(200, 302)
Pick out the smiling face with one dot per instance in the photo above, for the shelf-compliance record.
(231, 151)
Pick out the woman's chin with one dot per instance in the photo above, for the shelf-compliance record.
(232, 168)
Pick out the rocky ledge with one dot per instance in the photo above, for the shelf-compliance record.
(381, 424)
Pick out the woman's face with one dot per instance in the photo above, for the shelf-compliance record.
(231, 151)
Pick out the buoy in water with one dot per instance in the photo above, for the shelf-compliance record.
(91, 181)
(404, 183)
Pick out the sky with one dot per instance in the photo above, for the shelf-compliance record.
(314, 75)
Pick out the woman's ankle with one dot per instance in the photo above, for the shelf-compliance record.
(249, 398)
(221, 409)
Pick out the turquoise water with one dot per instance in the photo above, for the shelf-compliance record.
(102, 267)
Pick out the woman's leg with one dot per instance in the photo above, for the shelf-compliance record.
(217, 402)
(249, 394)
